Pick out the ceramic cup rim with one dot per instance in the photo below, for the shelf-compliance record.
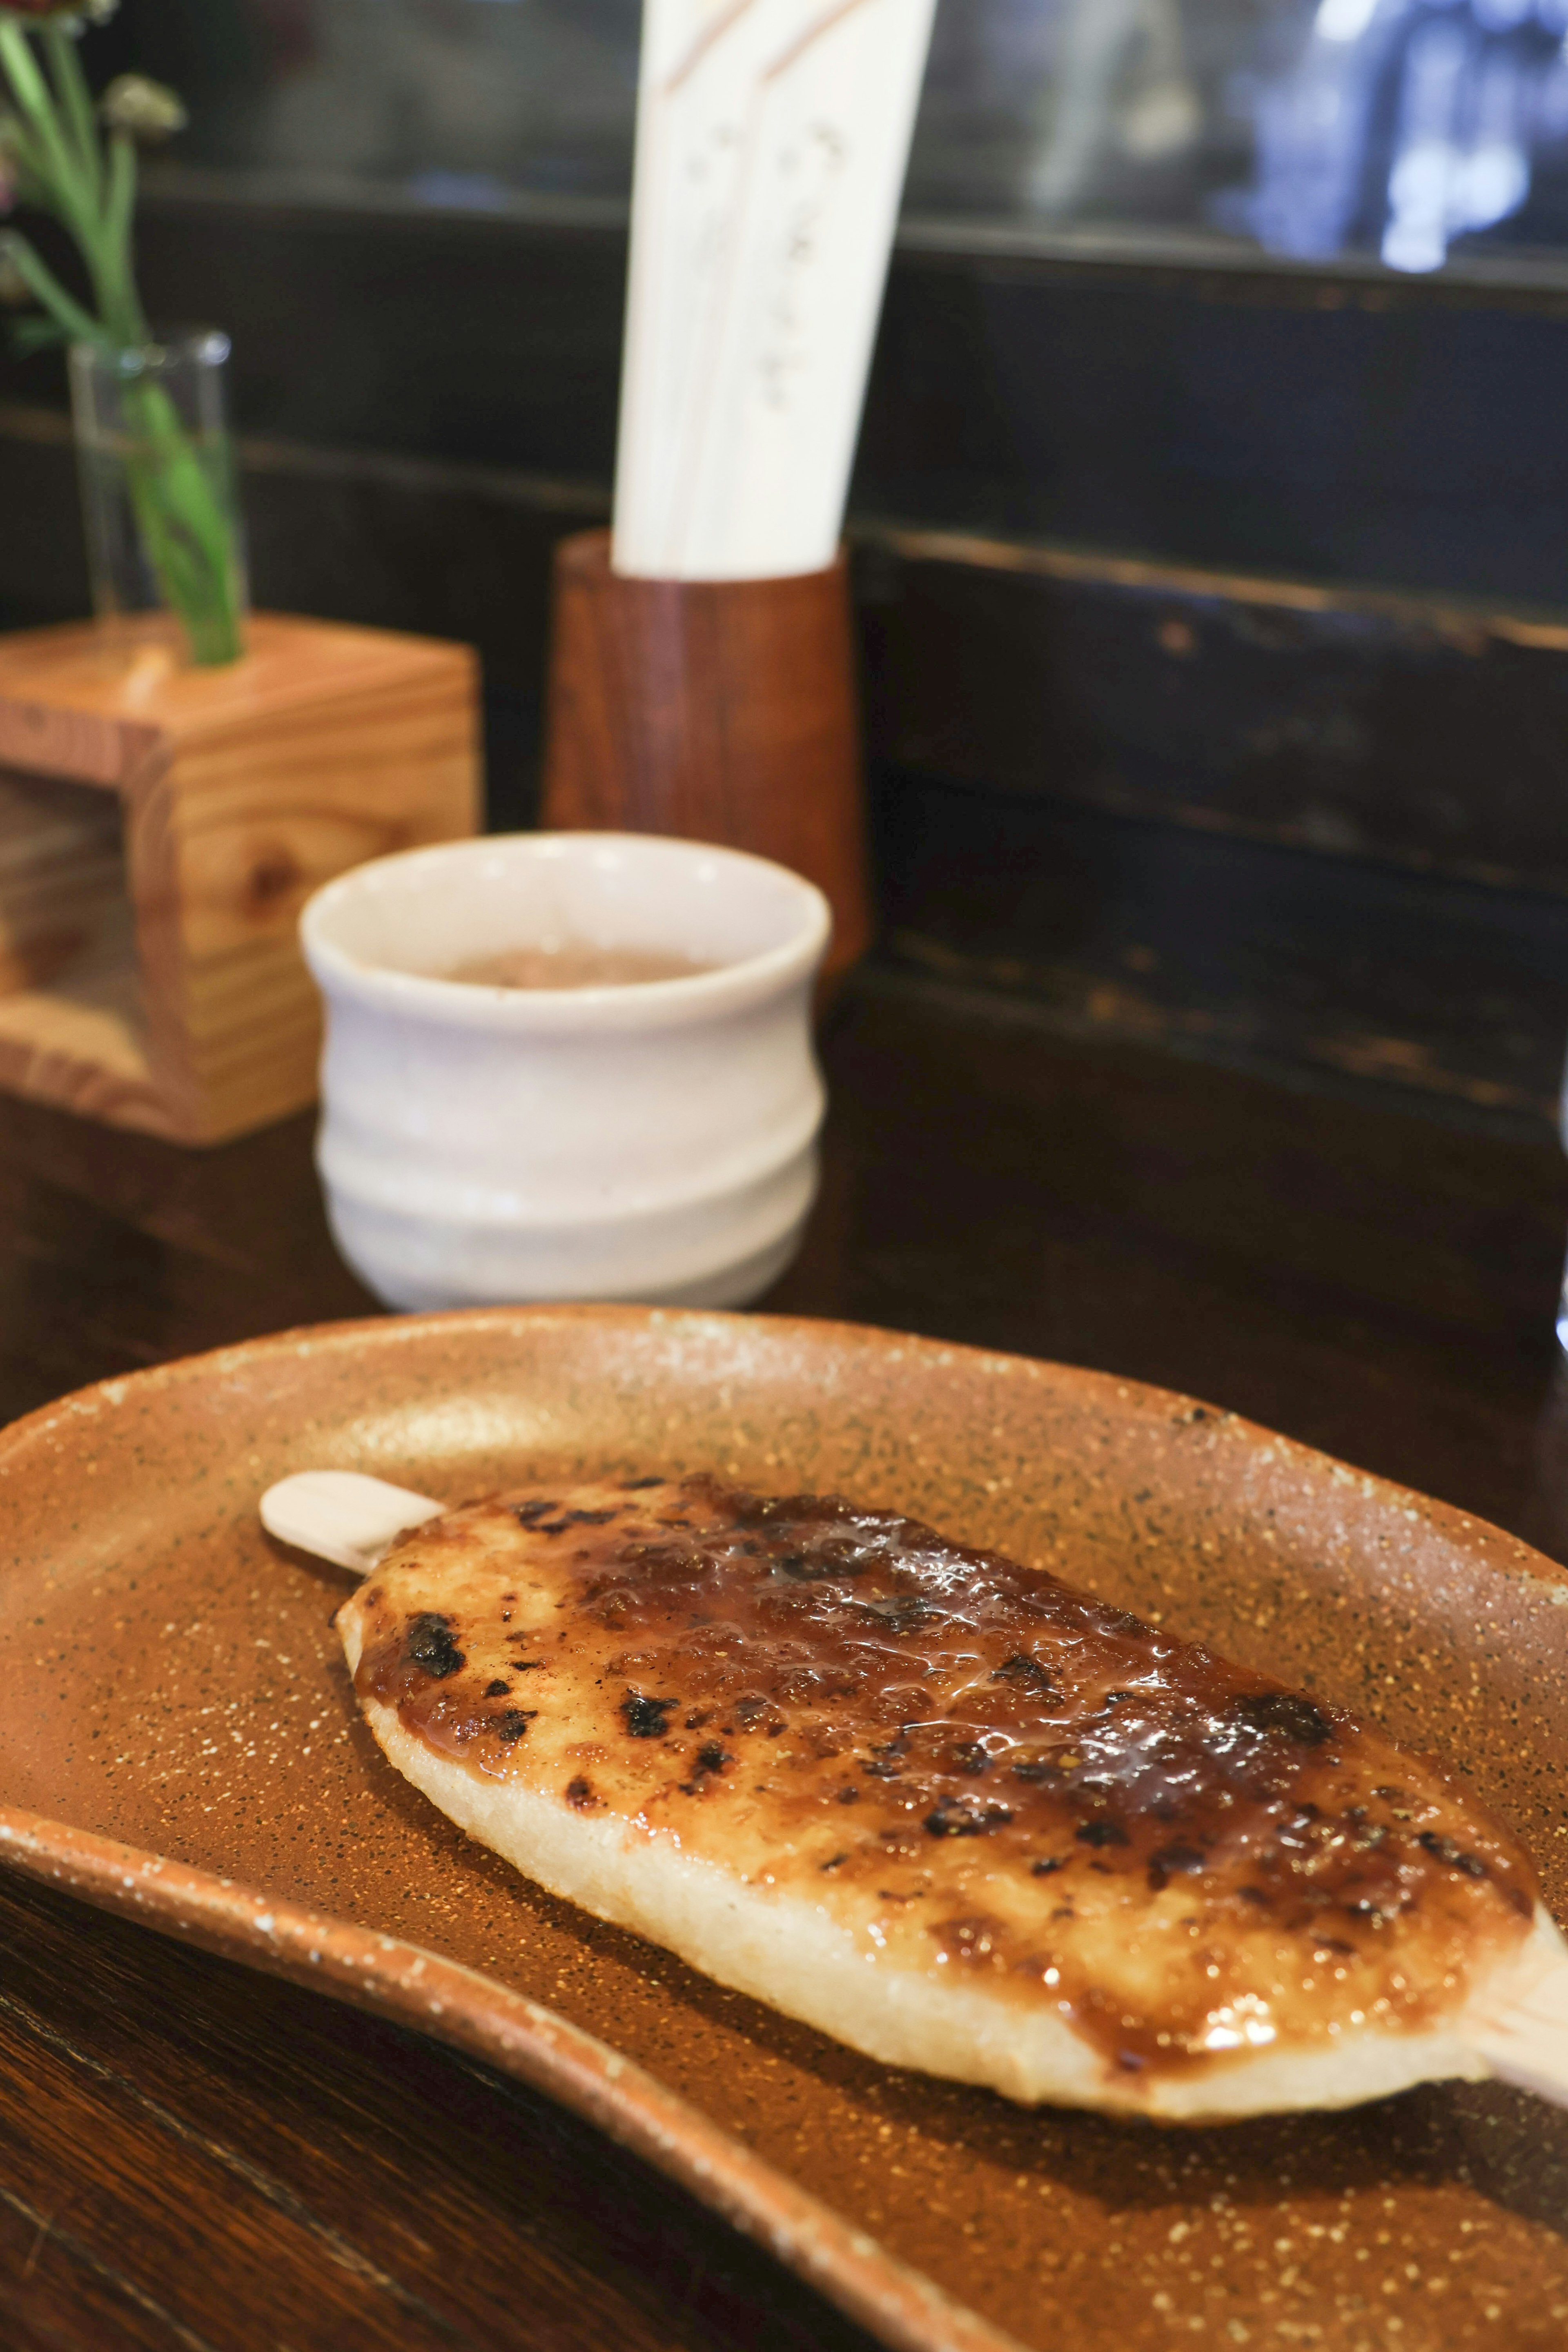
(622, 1004)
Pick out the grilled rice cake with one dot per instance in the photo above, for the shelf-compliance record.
(941, 1806)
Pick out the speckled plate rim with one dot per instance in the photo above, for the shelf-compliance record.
(474, 2012)
(462, 2005)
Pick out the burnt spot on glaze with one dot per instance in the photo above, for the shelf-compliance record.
(961, 1816)
(712, 1762)
(529, 1513)
(1285, 1715)
(646, 1718)
(1171, 1861)
(432, 1647)
(1025, 1674)
(1454, 1856)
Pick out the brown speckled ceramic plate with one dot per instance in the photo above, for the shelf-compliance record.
(181, 1742)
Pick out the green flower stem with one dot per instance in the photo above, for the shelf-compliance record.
(178, 494)
(181, 515)
(120, 203)
(77, 325)
(52, 161)
(101, 218)
(71, 84)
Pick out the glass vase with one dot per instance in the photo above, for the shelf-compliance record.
(164, 539)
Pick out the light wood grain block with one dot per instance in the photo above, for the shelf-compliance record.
(161, 828)
(62, 875)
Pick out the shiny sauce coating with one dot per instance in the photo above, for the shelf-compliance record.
(980, 1772)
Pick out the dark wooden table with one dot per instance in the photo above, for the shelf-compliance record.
(193, 2156)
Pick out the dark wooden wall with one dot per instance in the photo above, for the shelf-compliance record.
(1216, 622)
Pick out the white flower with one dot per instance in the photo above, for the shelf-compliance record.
(143, 108)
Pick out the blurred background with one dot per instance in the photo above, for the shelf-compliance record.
(1418, 132)
(1210, 520)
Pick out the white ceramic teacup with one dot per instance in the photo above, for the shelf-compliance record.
(653, 1141)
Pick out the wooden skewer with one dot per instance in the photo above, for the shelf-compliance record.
(1525, 2041)
(343, 1516)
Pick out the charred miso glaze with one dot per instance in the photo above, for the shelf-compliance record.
(972, 1766)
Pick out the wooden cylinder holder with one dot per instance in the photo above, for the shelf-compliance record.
(160, 828)
(719, 710)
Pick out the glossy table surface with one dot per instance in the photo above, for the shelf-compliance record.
(193, 2156)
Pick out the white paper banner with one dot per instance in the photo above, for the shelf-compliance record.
(772, 141)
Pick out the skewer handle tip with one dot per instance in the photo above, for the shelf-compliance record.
(343, 1516)
(1525, 2040)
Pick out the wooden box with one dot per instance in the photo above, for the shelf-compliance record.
(160, 828)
